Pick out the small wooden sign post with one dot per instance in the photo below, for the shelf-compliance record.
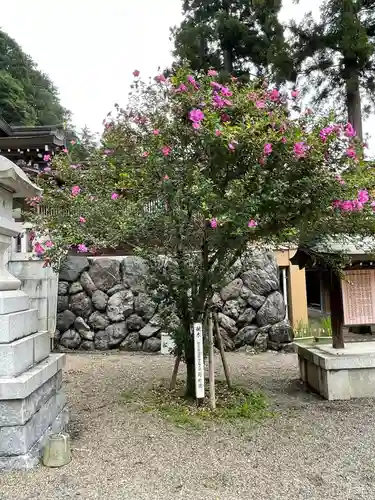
(199, 363)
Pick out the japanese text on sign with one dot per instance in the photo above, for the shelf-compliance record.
(199, 364)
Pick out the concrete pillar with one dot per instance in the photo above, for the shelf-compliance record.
(32, 404)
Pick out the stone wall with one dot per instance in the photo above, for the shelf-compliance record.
(102, 304)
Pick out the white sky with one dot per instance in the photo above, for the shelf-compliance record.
(89, 48)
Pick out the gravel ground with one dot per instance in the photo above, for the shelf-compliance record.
(312, 449)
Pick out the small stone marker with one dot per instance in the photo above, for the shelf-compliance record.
(167, 344)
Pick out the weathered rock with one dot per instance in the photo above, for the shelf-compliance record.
(148, 331)
(70, 339)
(288, 347)
(131, 343)
(87, 335)
(115, 289)
(272, 311)
(151, 345)
(144, 306)
(247, 349)
(101, 340)
(232, 290)
(116, 333)
(260, 282)
(83, 329)
(232, 308)
(134, 323)
(73, 267)
(234, 271)
(87, 283)
(99, 300)
(246, 336)
(157, 320)
(63, 288)
(65, 320)
(134, 269)
(62, 303)
(247, 316)
(98, 321)
(75, 287)
(281, 332)
(259, 259)
(105, 273)
(80, 325)
(273, 346)
(120, 305)
(228, 324)
(227, 342)
(255, 301)
(217, 301)
(88, 345)
(81, 305)
(261, 342)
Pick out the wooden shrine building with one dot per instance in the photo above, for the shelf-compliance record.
(27, 146)
(350, 292)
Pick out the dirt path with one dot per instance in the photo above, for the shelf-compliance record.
(311, 450)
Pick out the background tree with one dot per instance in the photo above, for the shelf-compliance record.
(336, 54)
(27, 96)
(201, 173)
(236, 36)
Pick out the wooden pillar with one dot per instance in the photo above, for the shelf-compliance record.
(297, 295)
(296, 281)
(337, 309)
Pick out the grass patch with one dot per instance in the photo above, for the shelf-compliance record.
(317, 328)
(239, 404)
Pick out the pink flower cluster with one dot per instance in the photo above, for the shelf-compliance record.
(363, 197)
(327, 131)
(82, 248)
(192, 82)
(196, 116)
(300, 149)
(76, 190)
(267, 150)
(34, 201)
(166, 150)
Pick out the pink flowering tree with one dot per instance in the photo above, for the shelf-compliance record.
(198, 171)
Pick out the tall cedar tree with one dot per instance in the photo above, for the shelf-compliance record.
(235, 36)
(27, 96)
(336, 54)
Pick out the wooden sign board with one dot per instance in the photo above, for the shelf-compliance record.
(358, 296)
(199, 363)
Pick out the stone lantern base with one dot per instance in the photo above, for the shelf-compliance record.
(32, 404)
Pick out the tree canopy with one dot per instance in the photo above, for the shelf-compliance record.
(236, 36)
(200, 173)
(27, 95)
(336, 54)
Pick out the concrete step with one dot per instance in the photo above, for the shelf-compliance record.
(17, 325)
(28, 382)
(19, 355)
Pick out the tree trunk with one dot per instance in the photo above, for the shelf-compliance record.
(337, 310)
(190, 378)
(353, 103)
(228, 60)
